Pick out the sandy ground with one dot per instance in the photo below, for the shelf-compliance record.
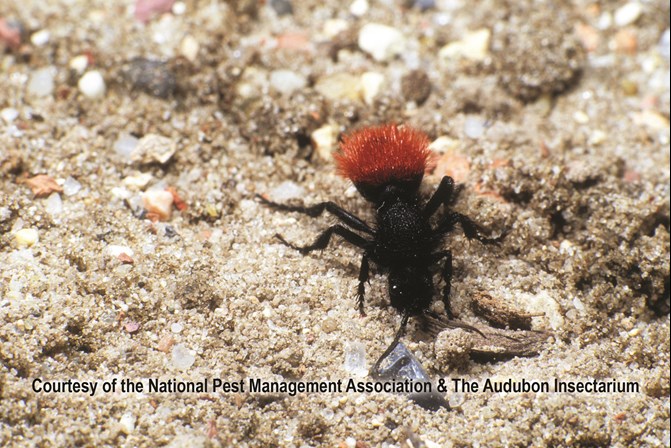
(555, 117)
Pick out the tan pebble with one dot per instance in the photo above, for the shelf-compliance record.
(629, 87)
(652, 119)
(165, 344)
(371, 84)
(139, 180)
(588, 36)
(26, 237)
(474, 46)
(333, 27)
(189, 48)
(625, 41)
(158, 202)
(581, 117)
(153, 148)
(329, 325)
(339, 86)
(324, 141)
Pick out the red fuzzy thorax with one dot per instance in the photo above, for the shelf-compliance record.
(383, 154)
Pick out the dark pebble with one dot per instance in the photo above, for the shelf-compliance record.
(151, 76)
(416, 86)
(282, 7)
(422, 5)
(400, 365)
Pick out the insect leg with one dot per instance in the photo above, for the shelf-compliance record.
(363, 278)
(323, 239)
(447, 277)
(315, 210)
(470, 228)
(446, 194)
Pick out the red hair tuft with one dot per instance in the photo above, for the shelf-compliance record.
(382, 154)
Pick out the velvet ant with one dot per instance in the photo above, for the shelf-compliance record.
(386, 164)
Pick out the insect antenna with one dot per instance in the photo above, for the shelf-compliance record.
(375, 372)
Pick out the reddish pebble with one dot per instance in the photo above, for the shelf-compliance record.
(158, 203)
(453, 164)
(125, 258)
(177, 200)
(10, 35)
(165, 344)
(42, 185)
(131, 327)
(147, 9)
(625, 41)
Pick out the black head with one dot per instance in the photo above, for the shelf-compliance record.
(406, 188)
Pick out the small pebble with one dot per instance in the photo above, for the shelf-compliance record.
(165, 344)
(151, 76)
(358, 7)
(371, 85)
(158, 202)
(652, 120)
(153, 148)
(282, 7)
(179, 8)
(329, 325)
(79, 64)
(324, 140)
(456, 399)
(474, 127)
(625, 41)
(10, 33)
(580, 117)
(92, 85)
(597, 137)
(416, 86)
(146, 9)
(182, 357)
(189, 47)
(124, 146)
(424, 5)
(9, 114)
(41, 82)
(127, 423)
(176, 328)
(26, 238)
(286, 191)
(53, 205)
(629, 87)
(5, 214)
(40, 38)
(42, 185)
(355, 359)
(71, 187)
(287, 81)
(339, 86)
(333, 27)
(443, 144)
(628, 14)
(474, 46)
(138, 181)
(114, 250)
(130, 326)
(382, 42)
